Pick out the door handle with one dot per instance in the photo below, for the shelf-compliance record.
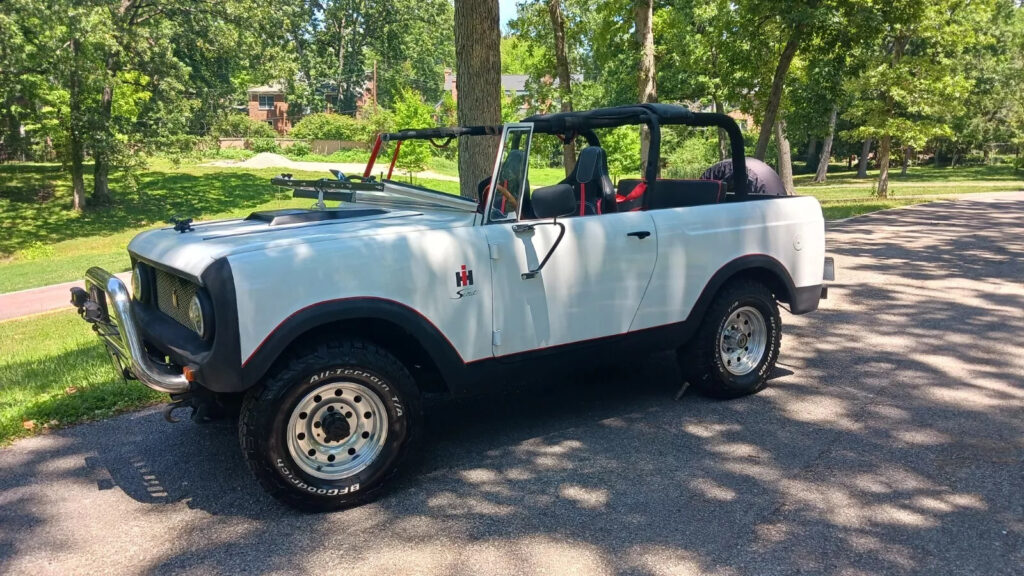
(641, 234)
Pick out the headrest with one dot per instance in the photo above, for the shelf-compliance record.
(553, 201)
(592, 164)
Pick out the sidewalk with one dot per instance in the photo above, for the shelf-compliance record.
(45, 299)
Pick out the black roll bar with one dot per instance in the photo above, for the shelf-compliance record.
(654, 115)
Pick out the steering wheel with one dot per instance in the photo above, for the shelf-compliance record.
(509, 198)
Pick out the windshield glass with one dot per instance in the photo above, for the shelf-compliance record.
(508, 182)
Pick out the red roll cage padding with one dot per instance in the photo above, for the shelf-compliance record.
(373, 157)
(394, 158)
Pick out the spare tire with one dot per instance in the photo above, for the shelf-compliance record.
(761, 178)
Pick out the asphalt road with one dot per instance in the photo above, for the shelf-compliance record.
(891, 442)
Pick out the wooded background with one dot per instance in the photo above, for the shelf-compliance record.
(101, 84)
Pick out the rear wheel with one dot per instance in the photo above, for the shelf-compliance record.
(331, 426)
(737, 345)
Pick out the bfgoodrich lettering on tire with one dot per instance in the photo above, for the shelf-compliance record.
(737, 344)
(330, 425)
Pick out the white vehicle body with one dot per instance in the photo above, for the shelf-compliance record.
(445, 282)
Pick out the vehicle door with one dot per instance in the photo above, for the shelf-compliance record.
(593, 281)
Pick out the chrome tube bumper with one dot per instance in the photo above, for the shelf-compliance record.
(112, 319)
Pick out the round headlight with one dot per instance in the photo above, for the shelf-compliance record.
(137, 282)
(195, 315)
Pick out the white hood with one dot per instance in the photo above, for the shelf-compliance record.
(191, 252)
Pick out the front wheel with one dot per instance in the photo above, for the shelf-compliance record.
(736, 347)
(330, 426)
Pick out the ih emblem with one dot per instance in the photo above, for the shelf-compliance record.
(464, 277)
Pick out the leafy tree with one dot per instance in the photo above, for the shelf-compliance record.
(913, 84)
(412, 112)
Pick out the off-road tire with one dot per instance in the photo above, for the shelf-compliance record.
(701, 361)
(264, 422)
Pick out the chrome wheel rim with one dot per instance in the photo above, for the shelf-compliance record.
(742, 340)
(337, 430)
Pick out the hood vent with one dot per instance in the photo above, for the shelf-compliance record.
(301, 216)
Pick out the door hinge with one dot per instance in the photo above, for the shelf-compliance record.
(493, 250)
(496, 338)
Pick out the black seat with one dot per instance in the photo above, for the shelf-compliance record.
(683, 193)
(591, 184)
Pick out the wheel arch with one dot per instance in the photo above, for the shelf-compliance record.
(758, 267)
(412, 338)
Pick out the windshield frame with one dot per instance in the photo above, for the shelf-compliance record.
(506, 128)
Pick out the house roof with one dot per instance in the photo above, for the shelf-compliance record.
(274, 88)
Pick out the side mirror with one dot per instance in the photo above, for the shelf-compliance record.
(548, 202)
(553, 201)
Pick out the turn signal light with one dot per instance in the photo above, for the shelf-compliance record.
(189, 373)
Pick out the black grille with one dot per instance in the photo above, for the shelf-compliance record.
(173, 297)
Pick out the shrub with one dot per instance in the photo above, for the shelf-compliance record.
(241, 126)
(299, 149)
(693, 155)
(321, 126)
(412, 112)
(263, 145)
(622, 145)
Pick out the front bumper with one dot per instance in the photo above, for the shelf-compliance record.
(107, 305)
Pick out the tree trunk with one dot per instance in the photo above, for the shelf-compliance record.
(810, 160)
(564, 77)
(723, 138)
(785, 160)
(826, 148)
(478, 65)
(76, 130)
(937, 162)
(884, 147)
(862, 162)
(906, 160)
(648, 89)
(775, 96)
(101, 149)
(341, 63)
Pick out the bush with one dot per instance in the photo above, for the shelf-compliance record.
(241, 126)
(692, 156)
(622, 145)
(263, 145)
(412, 112)
(234, 154)
(321, 126)
(298, 149)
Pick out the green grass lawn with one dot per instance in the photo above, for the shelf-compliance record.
(47, 382)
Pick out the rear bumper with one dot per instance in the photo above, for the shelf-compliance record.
(107, 305)
(806, 298)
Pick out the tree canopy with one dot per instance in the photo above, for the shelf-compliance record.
(98, 84)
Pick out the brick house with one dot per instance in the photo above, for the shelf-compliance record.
(267, 104)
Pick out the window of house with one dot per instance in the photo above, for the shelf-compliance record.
(266, 102)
